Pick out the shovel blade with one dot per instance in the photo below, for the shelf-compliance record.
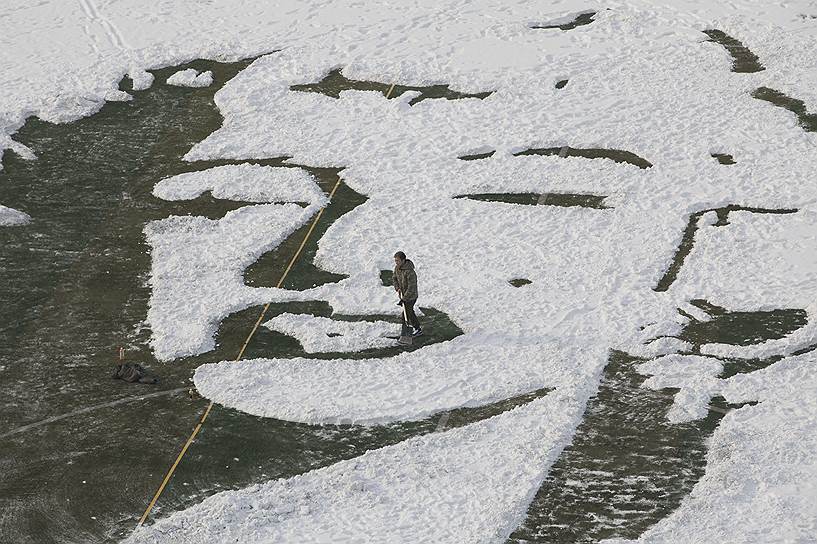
(405, 335)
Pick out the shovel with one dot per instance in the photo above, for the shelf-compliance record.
(405, 332)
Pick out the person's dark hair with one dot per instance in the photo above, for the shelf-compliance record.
(400, 255)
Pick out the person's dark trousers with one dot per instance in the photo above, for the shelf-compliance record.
(412, 317)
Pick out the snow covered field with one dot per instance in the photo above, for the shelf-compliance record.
(642, 78)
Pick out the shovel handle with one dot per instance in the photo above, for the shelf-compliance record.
(405, 315)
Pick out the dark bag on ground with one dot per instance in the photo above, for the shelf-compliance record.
(133, 373)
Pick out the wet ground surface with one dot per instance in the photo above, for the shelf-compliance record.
(81, 454)
(723, 158)
(743, 60)
(616, 155)
(565, 200)
(335, 82)
(740, 328)
(628, 466)
(581, 19)
(477, 156)
(808, 121)
(688, 238)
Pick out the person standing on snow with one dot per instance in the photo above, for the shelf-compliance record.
(404, 280)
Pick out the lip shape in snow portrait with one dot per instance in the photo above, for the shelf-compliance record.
(456, 272)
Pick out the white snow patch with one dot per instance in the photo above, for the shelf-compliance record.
(756, 262)
(410, 386)
(198, 263)
(197, 270)
(322, 334)
(244, 182)
(471, 484)
(115, 95)
(658, 347)
(653, 331)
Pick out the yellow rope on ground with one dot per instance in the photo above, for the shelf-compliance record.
(238, 357)
(240, 353)
(175, 464)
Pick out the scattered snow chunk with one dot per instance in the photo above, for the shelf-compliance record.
(676, 367)
(695, 376)
(142, 79)
(24, 151)
(191, 78)
(10, 217)
(661, 329)
(697, 313)
(115, 95)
